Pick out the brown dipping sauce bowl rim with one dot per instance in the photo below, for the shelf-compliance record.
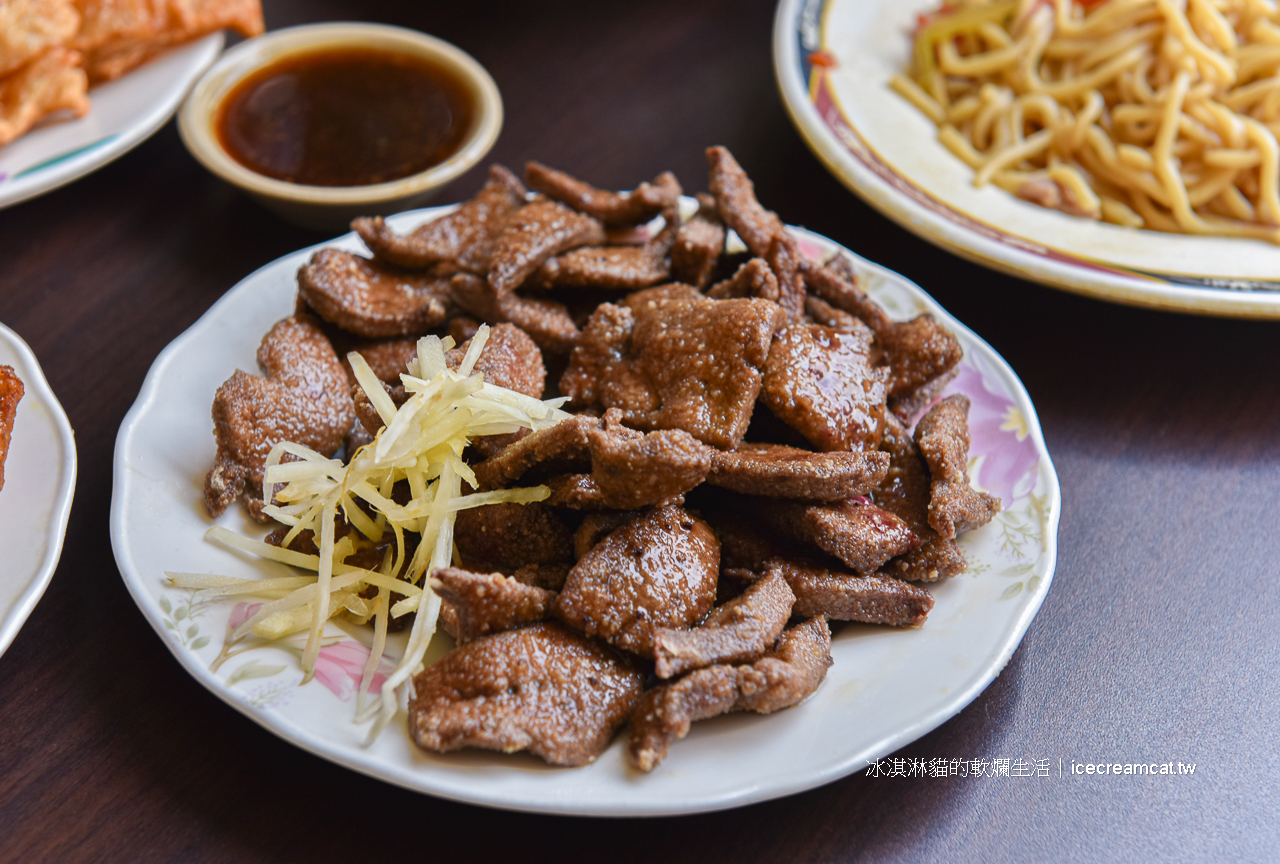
(198, 116)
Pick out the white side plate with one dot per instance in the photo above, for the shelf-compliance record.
(39, 482)
(125, 113)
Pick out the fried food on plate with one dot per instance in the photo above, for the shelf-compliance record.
(118, 35)
(54, 82)
(28, 28)
(11, 391)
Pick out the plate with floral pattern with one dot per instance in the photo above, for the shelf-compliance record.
(833, 60)
(887, 687)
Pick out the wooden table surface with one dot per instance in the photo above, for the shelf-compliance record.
(1157, 642)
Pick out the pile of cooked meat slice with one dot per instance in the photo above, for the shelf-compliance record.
(740, 470)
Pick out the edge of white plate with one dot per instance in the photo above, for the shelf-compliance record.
(201, 53)
(959, 240)
(749, 795)
(33, 380)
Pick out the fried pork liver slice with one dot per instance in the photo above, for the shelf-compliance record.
(845, 596)
(302, 396)
(369, 299)
(943, 438)
(904, 492)
(612, 208)
(820, 382)
(790, 673)
(507, 536)
(485, 603)
(658, 570)
(698, 245)
(861, 535)
(536, 232)
(740, 630)
(668, 360)
(626, 268)
(555, 693)
(547, 322)
(779, 471)
(649, 469)
(665, 713)
(463, 237)
(780, 679)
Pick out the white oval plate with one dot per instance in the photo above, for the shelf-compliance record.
(39, 483)
(124, 113)
(887, 686)
(886, 151)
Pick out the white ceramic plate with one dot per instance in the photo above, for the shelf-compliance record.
(885, 150)
(887, 686)
(124, 113)
(39, 482)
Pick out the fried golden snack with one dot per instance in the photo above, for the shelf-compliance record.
(28, 28)
(52, 82)
(11, 391)
(118, 35)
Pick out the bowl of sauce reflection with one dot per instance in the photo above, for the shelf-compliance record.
(326, 122)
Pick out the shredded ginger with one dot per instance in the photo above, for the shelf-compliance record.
(421, 444)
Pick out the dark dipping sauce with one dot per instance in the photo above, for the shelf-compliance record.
(347, 117)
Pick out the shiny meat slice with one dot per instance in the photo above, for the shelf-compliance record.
(11, 391)
(667, 362)
(366, 414)
(575, 492)
(834, 284)
(611, 208)
(746, 546)
(370, 299)
(510, 358)
(943, 438)
(820, 382)
(548, 576)
(561, 448)
(919, 351)
(779, 471)
(784, 259)
(790, 673)
(485, 603)
(612, 267)
(698, 245)
(844, 596)
(547, 322)
(904, 492)
(779, 680)
(665, 713)
(737, 204)
(537, 231)
(821, 312)
(541, 688)
(507, 536)
(386, 357)
(303, 397)
(651, 469)
(594, 527)
(861, 535)
(910, 403)
(658, 570)
(754, 278)
(740, 630)
(463, 237)
(934, 559)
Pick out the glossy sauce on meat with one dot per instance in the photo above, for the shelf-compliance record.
(345, 118)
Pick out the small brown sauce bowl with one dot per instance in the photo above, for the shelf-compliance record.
(206, 121)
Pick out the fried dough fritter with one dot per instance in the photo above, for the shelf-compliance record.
(11, 391)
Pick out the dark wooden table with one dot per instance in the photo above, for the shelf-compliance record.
(1157, 642)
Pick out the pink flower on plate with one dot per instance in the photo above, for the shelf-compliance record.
(241, 613)
(340, 667)
(1001, 436)
(811, 250)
